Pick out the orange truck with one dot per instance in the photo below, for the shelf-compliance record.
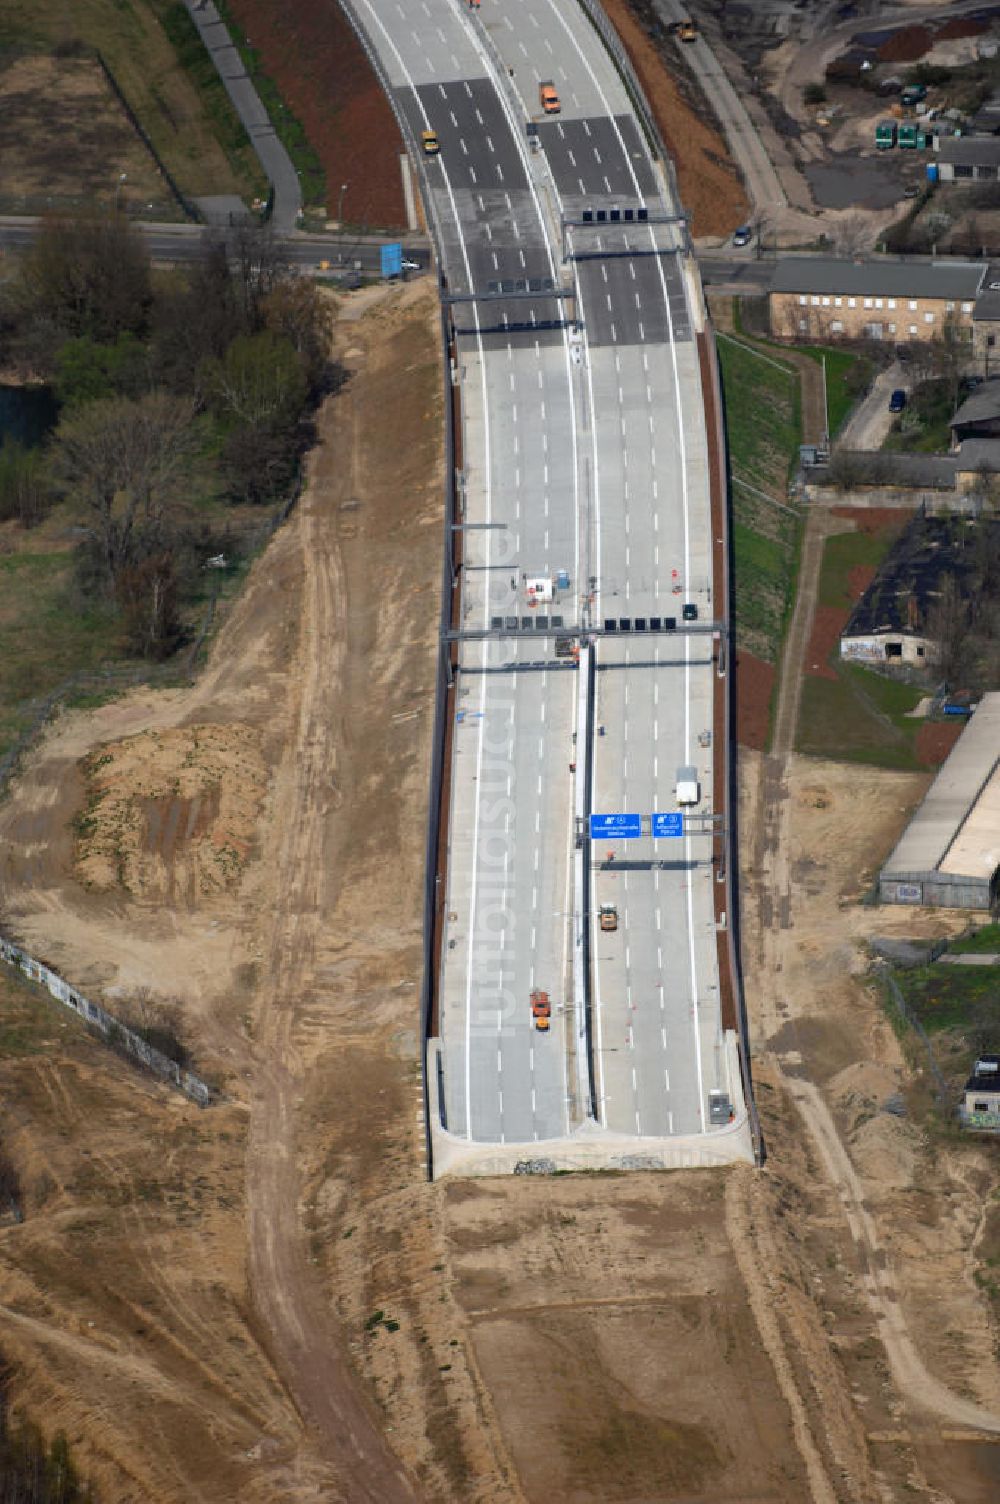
(541, 1009)
(548, 97)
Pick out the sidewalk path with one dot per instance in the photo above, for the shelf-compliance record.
(273, 157)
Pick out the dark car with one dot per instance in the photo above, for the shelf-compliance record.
(897, 401)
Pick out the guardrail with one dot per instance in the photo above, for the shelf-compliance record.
(117, 1034)
(602, 24)
(431, 1090)
(731, 768)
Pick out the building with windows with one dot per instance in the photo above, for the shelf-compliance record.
(823, 298)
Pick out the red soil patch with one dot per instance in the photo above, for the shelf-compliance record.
(315, 59)
(859, 577)
(710, 187)
(872, 520)
(754, 684)
(906, 45)
(935, 740)
(960, 27)
(828, 623)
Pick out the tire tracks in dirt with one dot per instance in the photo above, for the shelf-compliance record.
(300, 1330)
(772, 894)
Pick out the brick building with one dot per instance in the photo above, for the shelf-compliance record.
(823, 298)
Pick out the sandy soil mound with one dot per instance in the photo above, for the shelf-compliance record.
(171, 814)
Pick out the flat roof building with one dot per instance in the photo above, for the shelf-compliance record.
(949, 854)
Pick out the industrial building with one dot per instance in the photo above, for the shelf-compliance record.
(968, 158)
(949, 854)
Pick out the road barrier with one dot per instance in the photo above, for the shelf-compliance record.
(117, 1034)
(731, 768)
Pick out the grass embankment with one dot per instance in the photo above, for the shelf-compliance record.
(960, 998)
(47, 632)
(847, 376)
(984, 941)
(856, 716)
(763, 428)
(290, 130)
(153, 49)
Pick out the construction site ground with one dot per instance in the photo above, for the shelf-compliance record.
(266, 1300)
(258, 1300)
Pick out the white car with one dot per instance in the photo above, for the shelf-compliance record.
(411, 266)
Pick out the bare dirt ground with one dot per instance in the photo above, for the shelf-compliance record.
(63, 135)
(242, 855)
(273, 1285)
(312, 54)
(900, 1303)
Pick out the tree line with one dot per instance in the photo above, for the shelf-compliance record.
(174, 388)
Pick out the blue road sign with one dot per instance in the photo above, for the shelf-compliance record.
(668, 822)
(392, 260)
(623, 827)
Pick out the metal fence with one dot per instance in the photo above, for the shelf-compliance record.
(117, 1034)
(908, 1016)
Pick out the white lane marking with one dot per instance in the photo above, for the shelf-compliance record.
(489, 510)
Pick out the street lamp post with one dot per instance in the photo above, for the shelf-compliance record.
(122, 180)
(340, 203)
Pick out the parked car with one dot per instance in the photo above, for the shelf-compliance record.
(743, 235)
(897, 401)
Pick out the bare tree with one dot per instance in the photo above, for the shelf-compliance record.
(852, 236)
(948, 628)
(296, 309)
(129, 463)
(258, 264)
(88, 276)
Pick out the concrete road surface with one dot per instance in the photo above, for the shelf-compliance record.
(584, 499)
(869, 424)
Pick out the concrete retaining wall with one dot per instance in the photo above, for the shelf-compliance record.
(592, 1147)
(114, 1032)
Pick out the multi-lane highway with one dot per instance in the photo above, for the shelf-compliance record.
(583, 506)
